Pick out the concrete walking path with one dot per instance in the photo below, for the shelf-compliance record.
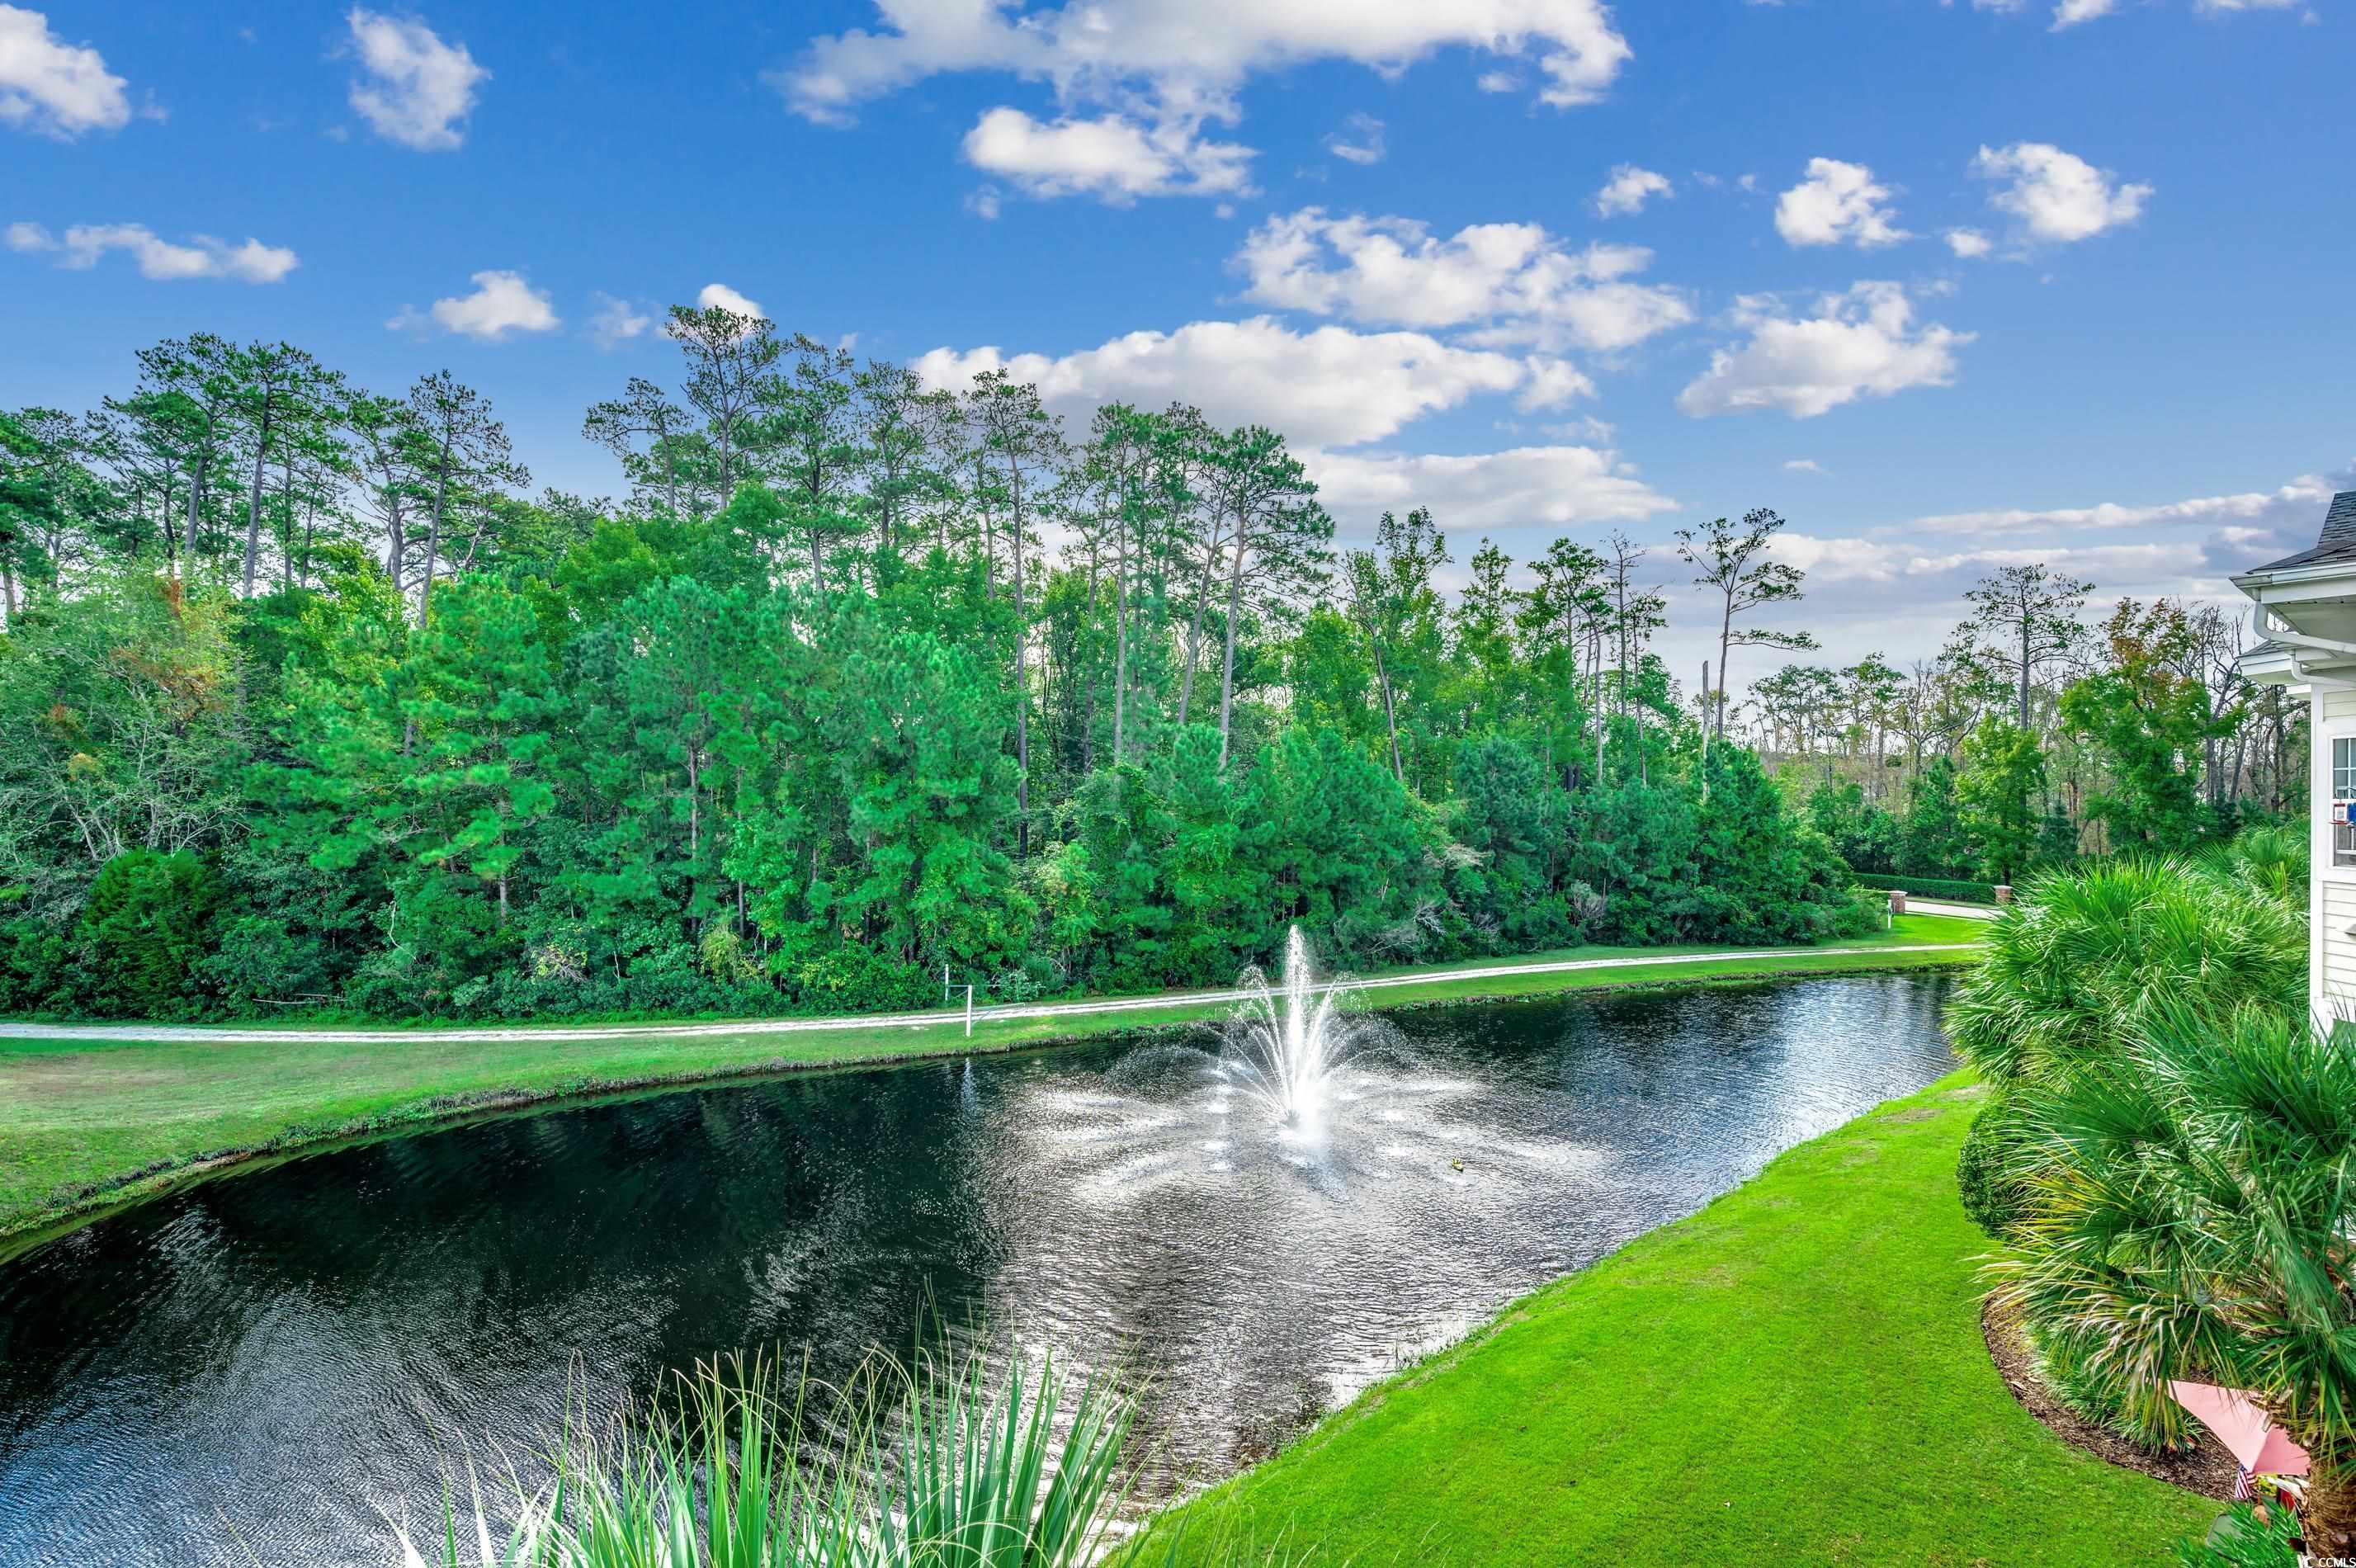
(163, 1033)
(1959, 911)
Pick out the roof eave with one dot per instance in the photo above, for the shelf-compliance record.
(2253, 582)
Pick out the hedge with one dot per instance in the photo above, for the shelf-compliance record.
(1931, 886)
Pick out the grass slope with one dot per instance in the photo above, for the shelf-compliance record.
(1794, 1375)
(85, 1122)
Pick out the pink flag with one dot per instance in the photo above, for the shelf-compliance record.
(2261, 1448)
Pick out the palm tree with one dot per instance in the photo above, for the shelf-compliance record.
(2067, 970)
(2270, 857)
(2189, 1201)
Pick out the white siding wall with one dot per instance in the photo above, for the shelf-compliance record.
(2335, 915)
(2331, 951)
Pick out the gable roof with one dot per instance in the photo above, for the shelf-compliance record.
(2336, 542)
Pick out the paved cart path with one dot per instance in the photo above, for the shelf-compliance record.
(1960, 911)
(152, 1033)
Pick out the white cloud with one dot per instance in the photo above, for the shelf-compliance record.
(1110, 157)
(1135, 81)
(1837, 202)
(83, 245)
(2298, 504)
(2069, 13)
(418, 90)
(1498, 81)
(616, 321)
(1803, 466)
(52, 87)
(2057, 196)
(1552, 384)
(1359, 141)
(1628, 189)
(1861, 343)
(719, 296)
(1188, 58)
(1923, 587)
(2114, 568)
(1327, 387)
(1917, 571)
(502, 302)
(1515, 281)
(1492, 492)
(1897, 588)
(1969, 244)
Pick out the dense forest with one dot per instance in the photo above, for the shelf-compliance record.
(303, 702)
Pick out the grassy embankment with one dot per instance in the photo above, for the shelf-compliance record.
(87, 1123)
(1794, 1375)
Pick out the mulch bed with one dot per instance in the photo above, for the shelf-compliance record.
(2206, 1468)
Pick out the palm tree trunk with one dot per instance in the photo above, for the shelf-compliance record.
(2327, 1515)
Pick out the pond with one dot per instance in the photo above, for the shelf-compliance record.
(247, 1371)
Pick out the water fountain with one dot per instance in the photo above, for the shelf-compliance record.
(1285, 1045)
(1269, 1217)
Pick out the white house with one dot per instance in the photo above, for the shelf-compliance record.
(2306, 617)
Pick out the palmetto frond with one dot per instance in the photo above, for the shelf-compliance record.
(2190, 1202)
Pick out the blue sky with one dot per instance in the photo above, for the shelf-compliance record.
(1949, 285)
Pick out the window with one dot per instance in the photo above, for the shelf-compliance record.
(2343, 788)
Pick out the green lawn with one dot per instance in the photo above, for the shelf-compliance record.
(1794, 1375)
(83, 1122)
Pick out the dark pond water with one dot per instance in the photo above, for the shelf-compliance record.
(265, 1360)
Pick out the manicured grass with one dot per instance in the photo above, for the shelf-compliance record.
(1794, 1375)
(83, 1122)
(1908, 930)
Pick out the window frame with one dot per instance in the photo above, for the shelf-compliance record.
(2343, 788)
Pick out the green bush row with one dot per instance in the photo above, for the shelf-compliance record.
(1931, 886)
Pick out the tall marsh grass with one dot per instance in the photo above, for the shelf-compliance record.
(957, 1460)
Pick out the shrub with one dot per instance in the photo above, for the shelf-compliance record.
(2270, 857)
(1946, 887)
(2142, 1020)
(32, 964)
(721, 953)
(1993, 1196)
(2189, 1214)
(856, 979)
(139, 936)
(2097, 1391)
(2067, 971)
(2245, 1536)
(1033, 978)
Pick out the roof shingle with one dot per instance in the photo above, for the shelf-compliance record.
(2336, 542)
